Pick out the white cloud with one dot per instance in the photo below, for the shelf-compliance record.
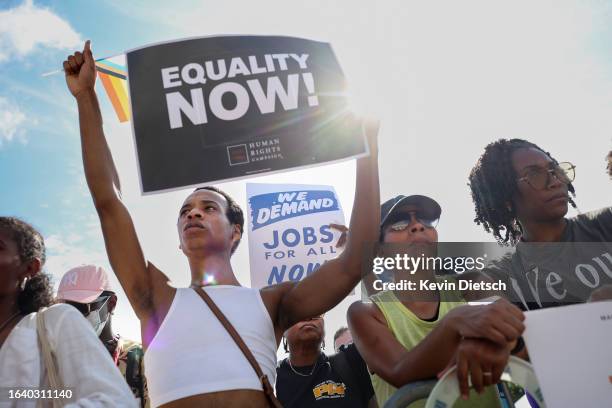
(11, 118)
(91, 227)
(27, 26)
(73, 238)
(66, 251)
(55, 244)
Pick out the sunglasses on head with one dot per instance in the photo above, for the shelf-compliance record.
(401, 221)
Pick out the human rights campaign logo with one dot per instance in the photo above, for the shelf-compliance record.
(269, 208)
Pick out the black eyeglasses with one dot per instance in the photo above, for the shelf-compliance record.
(87, 308)
(402, 221)
(539, 178)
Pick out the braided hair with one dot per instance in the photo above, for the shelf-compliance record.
(493, 185)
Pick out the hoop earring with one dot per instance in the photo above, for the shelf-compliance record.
(23, 284)
(323, 345)
(285, 344)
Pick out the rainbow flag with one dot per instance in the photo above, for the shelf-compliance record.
(113, 74)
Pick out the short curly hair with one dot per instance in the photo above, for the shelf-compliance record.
(493, 184)
(38, 291)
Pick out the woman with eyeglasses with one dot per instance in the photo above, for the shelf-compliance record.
(521, 195)
(77, 368)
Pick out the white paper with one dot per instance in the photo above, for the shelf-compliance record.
(571, 350)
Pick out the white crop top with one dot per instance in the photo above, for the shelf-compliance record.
(193, 354)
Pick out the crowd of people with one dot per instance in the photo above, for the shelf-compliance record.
(214, 343)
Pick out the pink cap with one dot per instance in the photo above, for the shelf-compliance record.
(83, 284)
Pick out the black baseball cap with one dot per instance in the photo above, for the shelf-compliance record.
(429, 207)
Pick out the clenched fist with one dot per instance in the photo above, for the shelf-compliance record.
(80, 69)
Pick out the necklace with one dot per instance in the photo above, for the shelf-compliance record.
(7, 321)
(300, 374)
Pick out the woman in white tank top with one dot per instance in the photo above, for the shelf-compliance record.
(181, 342)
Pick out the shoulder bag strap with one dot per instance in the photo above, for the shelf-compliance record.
(47, 355)
(265, 382)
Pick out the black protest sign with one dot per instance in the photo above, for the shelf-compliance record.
(220, 108)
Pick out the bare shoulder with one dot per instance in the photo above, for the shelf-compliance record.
(272, 297)
(361, 312)
(273, 294)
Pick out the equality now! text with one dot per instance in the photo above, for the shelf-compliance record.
(195, 73)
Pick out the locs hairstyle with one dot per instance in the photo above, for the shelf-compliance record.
(493, 184)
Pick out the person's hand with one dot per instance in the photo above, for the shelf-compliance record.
(481, 361)
(343, 234)
(500, 322)
(80, 70)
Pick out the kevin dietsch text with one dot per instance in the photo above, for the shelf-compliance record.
(433, 285)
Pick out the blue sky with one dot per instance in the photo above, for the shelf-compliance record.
(446, 78)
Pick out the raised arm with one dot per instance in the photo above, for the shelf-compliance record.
(334, 280)
(122, 246)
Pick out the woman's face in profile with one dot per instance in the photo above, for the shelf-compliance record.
(9, 263)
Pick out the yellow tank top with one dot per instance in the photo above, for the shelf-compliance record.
(409, 330)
